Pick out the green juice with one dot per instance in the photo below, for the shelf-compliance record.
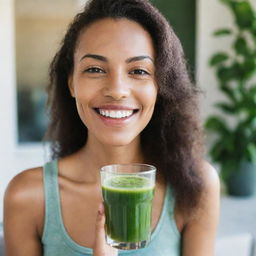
(128, 204)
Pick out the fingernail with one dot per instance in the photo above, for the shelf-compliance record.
(101, 209)
(99, 215)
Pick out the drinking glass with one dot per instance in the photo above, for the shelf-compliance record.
(128, 191)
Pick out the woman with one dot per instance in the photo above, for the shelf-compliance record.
(119, 93)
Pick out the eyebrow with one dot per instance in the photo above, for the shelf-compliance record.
(94, 56)
(138, 58)
(104, 59)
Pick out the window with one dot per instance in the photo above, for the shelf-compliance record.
(40, 26)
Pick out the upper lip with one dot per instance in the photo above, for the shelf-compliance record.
(116, 107)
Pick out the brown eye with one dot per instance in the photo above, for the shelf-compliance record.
(94, 70)
(139, 72)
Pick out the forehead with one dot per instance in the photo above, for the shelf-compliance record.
(115, 36)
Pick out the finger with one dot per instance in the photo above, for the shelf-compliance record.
(100, 243)
(100, 246)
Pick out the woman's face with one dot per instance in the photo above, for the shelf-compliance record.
(113, 80)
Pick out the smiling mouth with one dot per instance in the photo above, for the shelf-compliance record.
(116, 114)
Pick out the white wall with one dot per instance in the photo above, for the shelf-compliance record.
(12, 158)
(211, 15)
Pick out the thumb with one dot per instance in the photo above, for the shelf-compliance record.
(100, 246)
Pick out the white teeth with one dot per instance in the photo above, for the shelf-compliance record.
(116, 113)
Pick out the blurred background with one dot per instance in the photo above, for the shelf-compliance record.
(222, 65)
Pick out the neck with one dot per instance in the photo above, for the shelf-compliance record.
(94, 155)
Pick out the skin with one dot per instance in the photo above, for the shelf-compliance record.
(115, 80)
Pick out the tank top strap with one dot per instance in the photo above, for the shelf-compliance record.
(170, 198)
(171, 210)
(52, 220)
(55, 237)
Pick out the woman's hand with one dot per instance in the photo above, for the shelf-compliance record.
(100, 246)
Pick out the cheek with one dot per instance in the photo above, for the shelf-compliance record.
(84, 87)
(82, 105)
(85, 92)
(149, 97)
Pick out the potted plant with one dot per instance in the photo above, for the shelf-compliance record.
(235, 147)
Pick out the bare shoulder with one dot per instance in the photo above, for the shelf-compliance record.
(200, 231)
(25, 195)
(210, 178)
(208, 205)
(24, 213)
(25, 185)
(210, 193)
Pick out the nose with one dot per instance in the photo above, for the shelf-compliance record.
(117, 87)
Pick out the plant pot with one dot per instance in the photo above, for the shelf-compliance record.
(243, 181)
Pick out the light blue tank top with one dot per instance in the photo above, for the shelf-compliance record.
(165, 239)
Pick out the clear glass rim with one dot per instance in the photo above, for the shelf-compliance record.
(106, 168)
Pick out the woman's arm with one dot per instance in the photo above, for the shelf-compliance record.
(22, 206)
(199, 233)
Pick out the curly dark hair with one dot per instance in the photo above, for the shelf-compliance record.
(172, 141)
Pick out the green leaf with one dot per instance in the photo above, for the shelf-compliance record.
(252, 123)
(217, 151)
(224, 149)
(218, 58)
(251, 150)
(248, 107)
(226, 74)
(232, 93)
(241, 47)
(252, 92)
(254, 27)
(244, 14)
(248, 67)
(228, 167)
(222, 32)
(226, 108)
(216, 124)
